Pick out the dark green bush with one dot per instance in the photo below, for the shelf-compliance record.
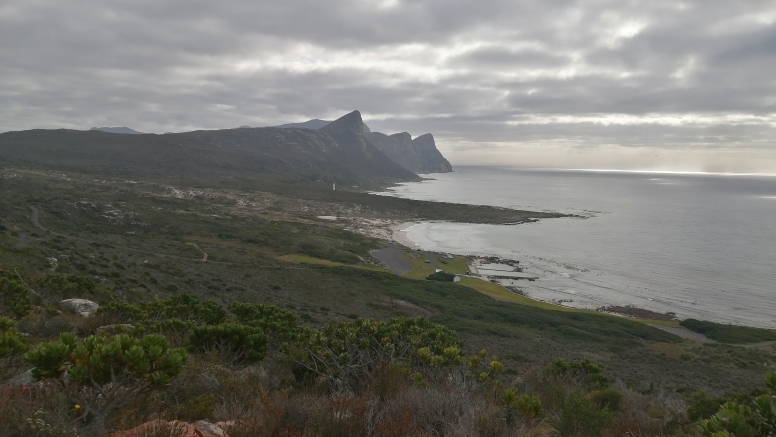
(348, 354)
(441, 277)
(578, 416)
(107, 373)
(609, 398)
(235, 343)
(585, 372)
(279, 325)
(14, 296)
(729, 333)
(11, 342)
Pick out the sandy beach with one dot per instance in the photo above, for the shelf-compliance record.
(399, 234)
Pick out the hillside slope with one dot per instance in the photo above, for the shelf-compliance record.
(337, 154)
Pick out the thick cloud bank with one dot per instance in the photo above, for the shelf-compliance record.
(629, 84)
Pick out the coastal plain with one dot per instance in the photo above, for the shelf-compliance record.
(144, 239)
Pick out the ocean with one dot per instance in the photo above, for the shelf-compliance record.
(698, 245)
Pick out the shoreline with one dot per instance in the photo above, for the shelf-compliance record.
(398, 235)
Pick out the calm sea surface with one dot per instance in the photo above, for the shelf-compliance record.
(702, 246)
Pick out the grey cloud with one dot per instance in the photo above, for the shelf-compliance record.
(469, 71)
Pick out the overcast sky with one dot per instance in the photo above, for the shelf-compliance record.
(683, 85)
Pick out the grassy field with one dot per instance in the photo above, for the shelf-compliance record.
(458, 265)
(324, 262)
(420, 268)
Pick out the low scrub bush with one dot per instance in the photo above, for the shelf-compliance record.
(106, 373)
(15, 298)
(235, 343)
(441, 277)
(729, 333)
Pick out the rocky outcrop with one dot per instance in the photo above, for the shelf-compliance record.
(430, 157)
(174, 428)
(348, 133)
(419, 155)
(82, 307)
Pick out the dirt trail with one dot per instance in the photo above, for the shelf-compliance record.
(683, 333)
(204, 254)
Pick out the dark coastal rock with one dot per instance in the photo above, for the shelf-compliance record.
(419, 155)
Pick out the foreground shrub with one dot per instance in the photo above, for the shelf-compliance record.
(107, 373)
(349, 354)
(735, 419)
(52, 288)
(14, 297)
(235, 343)
(11, 342)
(154, 315)
(584, 374)
(279, 325)
(578, 416)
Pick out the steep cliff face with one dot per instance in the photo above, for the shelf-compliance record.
(348, 133)
(419, 155)
(430, 157)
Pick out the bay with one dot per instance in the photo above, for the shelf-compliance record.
(699, 245)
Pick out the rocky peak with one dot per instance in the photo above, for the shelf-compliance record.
(348, 125)
(424, 142)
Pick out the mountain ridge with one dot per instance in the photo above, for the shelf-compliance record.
(263, 154)
(118, 130)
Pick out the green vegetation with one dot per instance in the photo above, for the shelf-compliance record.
(441, 277)
(457, 265)
(729, 333)
(350, 355)
(420, 268)
(11, 342)
(235, 343)
(736, 419)
(14, 296)
(108, 373)
(292, 328)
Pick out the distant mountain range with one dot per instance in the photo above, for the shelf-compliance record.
(117, 130)
(339, 151)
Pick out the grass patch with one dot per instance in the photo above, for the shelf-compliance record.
(325, 262)
(420, 268)
(729, 333)
(458, 265)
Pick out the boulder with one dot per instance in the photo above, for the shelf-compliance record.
(24, 378)
(83, 307)
(207, 429)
